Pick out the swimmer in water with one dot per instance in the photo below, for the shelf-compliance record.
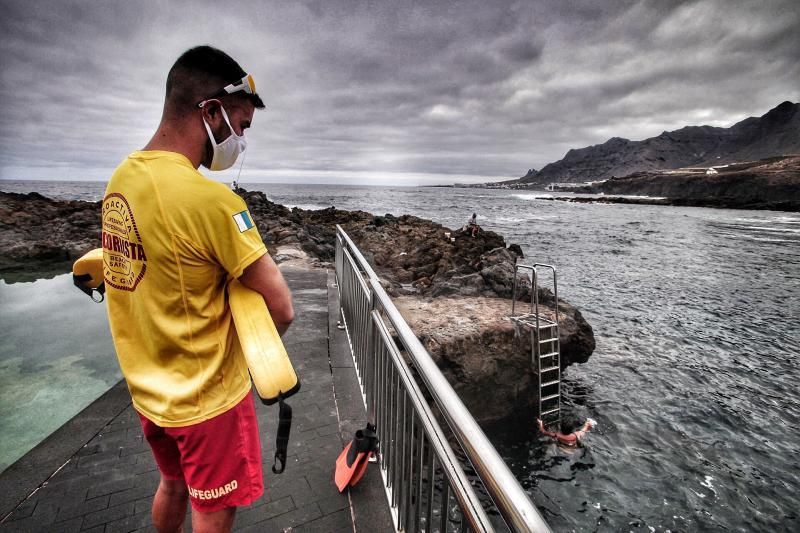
(571, 439)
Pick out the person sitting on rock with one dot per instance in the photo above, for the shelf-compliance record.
(472, 225)
(571, 439)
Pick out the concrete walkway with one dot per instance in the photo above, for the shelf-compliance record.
(96, 473)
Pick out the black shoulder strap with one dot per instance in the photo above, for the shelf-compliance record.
(282, 438)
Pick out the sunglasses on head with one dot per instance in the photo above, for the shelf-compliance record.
(246, 84)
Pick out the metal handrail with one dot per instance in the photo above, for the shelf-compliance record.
(360, 289)
(534, 287)
(534, 321)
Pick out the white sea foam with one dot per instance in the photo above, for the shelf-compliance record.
(772, 220)
(767, 239)
(707, 484)
(308, 207)
(517, 220)
(532, 196)
(769, 228)
(638, 197)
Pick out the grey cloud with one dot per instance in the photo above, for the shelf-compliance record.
(484, 88)
(522, 49)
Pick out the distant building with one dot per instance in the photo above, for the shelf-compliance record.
(711, 171)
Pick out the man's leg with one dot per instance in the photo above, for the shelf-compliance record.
(216, 522)
(221, 460)
(169, 505)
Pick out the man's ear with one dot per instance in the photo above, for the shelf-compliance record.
(211, 112)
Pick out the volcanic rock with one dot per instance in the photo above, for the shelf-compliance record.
(484, 355)
(773, 134)
(36, 232)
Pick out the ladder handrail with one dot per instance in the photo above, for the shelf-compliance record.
(536, 333)
(534, 285)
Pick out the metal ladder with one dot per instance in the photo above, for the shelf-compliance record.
(545, 346)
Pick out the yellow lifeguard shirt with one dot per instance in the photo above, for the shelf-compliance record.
(172, 239)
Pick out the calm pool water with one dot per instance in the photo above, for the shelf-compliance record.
(56, 357)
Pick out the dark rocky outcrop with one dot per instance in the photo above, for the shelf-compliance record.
(413, 255)
(768, 184)
(484, 355)
(37, 233)
(775, 133)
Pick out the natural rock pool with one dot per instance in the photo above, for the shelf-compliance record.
(56, 357)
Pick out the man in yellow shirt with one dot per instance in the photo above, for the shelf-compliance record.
(172, 240)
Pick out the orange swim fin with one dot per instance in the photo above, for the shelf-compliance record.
(352, 462)
(360, 469)
(344, 472)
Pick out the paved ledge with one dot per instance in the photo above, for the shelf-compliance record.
(367, 516)
(34, 468)
(96, 474)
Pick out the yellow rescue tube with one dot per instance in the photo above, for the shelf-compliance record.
(269, 364)
(87, 273)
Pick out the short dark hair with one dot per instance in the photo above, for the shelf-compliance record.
(569, 423)
(200, 72)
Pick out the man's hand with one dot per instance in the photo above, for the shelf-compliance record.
(544, 431)
(264, 277)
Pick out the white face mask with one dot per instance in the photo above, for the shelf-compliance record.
(226, 152)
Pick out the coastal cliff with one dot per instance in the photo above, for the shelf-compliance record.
(773, 134)
(767, 184)
(454, 289)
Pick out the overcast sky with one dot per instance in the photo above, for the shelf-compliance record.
(394, 91)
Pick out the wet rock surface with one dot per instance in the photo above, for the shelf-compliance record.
(37, 233)
(484, 355)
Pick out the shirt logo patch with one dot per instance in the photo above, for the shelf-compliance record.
(243, 221)
(124, 259)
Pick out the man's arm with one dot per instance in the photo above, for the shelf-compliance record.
(544, 431)
(264, 277)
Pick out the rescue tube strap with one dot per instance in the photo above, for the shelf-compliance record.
(80, 280)
(282, 438)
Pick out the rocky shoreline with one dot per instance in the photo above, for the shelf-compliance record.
(768, 184)
(772, 184)
(454, 289)
(39, 235)
(724, 203)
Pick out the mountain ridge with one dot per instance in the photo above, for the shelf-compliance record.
(775, 133)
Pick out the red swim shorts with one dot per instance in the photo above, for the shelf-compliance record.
(220, 458)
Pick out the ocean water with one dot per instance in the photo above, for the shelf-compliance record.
(696, 313)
